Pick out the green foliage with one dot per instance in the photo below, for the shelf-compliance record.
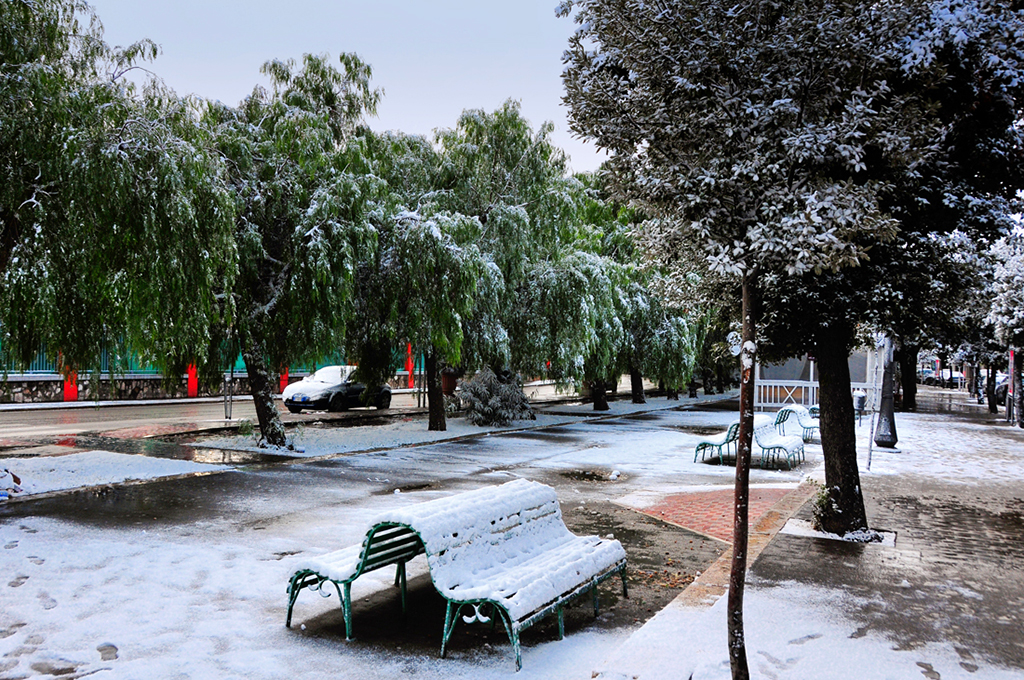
(114, 223)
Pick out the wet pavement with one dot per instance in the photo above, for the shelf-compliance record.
(956, 572)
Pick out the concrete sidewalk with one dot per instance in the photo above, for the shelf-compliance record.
(945, 601)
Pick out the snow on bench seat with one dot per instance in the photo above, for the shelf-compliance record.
(504, 548)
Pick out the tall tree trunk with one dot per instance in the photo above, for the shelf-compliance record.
(845, 510)
(990, 389)
(435, 396)
(598, 389)
(636, 384)
(906, 356)
(262, 389)
(708, 376)
(738, 573)
(720, 377)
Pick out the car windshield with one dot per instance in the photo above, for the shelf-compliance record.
(333, 375)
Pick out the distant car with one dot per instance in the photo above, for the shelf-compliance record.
(332, 389)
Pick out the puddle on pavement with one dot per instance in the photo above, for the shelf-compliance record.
(702, 430)
(587, 475)
(406, 488)
(172, 450)
(545, 435)
(723, 405)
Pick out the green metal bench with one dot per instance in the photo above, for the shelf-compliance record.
(718, 443)
(773, 444)
(805, 421)
(501, 551)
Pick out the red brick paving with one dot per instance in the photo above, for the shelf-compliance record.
(711, 512)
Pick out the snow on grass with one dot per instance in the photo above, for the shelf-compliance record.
(93, 468)
(176, 602)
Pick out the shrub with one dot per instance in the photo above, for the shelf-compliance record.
(489, 400)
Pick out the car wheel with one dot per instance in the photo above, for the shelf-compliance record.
(383, 400)
(337, 403)
(295, 409)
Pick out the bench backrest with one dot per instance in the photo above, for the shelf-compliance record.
(493, 526)
(387, 544)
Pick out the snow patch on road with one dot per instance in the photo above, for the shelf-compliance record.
(94, 468)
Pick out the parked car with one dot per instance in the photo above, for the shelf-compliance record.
(332, 389)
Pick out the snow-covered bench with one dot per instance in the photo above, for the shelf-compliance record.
(502, 551)
(773, 444)
(803, 417)
(717, 443)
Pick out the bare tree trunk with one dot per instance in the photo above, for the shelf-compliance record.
(435, 396)
(262, 389)
(636, 384)
(598, 389)
(738, 573)
(990, 389)
(906, 356)
(845, 510)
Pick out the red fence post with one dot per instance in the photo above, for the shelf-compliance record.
(409, 365)
(193, 381)
(284, 379)
(71, 387)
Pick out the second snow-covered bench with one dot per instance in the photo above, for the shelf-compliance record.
(772, 443)
(502, 551)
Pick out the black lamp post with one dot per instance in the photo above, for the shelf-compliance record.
(885, 431)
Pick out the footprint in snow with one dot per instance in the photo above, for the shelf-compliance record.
(11, 545)
(18, 581)
(35, 560)
(47, 601)
(28, 530)
(10, 630)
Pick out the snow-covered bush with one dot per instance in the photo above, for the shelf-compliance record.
(491, 401)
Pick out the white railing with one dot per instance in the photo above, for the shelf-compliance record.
(776, 393)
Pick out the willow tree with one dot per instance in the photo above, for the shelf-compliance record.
(303, 214)
(749, 129)
(115, 226)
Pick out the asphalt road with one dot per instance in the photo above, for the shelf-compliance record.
(161, 417)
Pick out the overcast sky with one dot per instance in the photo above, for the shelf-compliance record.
(433, 58)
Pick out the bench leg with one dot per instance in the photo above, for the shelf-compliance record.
(346, 605)
(622, 573)
(401, 582)
(450, 615)
(597, 603)
(293, 594)
(561, 622)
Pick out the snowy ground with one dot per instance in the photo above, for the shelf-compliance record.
(205, 598)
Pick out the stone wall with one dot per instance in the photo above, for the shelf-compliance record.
(38, 389)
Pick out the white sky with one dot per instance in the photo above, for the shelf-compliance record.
(433, 59)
